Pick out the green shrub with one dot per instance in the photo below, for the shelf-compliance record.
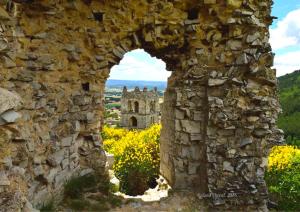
(294, 141)
(49, 207)
(115, 201)
(283, 177)
(75, 187)
(136, 157)
(79, 204)
(99, 207)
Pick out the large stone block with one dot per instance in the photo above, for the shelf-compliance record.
(8, 100)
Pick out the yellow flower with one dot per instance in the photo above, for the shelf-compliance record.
(281, 157)
(134, 151)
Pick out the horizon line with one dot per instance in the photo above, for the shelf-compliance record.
(138, 80)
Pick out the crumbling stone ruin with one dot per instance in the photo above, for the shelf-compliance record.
(220, 108)
(139, 109)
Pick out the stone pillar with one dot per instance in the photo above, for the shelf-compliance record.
(242, 107)
(167, 137)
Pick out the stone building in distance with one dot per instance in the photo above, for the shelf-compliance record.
(139, 109)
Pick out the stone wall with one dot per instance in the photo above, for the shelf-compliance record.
(221, 106)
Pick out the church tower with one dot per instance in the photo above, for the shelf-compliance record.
(139, 109)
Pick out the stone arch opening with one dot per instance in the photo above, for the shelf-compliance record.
(143, 93)
(133, 122)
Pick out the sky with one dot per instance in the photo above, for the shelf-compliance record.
(284, 39)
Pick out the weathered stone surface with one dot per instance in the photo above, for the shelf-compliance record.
(4, 181)
(216, 82)
(29, 208)
(191, 126)
(3, 14)
(66, 142)
(228, 167)
(10, 116)
(8, 100)
(110, 160)
(56, 158)
(221, 93)
(86, 172)
(38, 170)
(245, 142)
(65, 163)
(53, 172)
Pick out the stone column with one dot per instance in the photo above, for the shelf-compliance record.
(242, 106)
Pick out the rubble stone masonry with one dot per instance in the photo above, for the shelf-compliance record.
(220, 108)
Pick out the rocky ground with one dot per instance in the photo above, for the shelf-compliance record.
(177, 201)
(98, 197)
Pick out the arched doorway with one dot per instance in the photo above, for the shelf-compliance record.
(133, 122)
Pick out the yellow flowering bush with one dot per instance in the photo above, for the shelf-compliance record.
(113, 133)
(136, 156)
(283, 176)
(281, 157)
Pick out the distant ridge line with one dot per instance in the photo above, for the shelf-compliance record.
(131, 84)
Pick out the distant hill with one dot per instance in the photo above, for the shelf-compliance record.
(131, 84)
(289, 120)
(289, 80)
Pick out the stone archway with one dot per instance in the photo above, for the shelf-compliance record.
(133, 122)
(220, 106)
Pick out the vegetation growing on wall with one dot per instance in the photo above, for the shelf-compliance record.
(88, 193)
(136, 157)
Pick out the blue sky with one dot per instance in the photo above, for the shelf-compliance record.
(284, 39)
(285, 36)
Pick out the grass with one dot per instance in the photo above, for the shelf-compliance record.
(49, 207)
(75, 187)
(103, 200)
(79, 204)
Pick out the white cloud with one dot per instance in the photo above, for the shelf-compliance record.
(287, 63)
(139, 65)
(287, 31)
(284, 37)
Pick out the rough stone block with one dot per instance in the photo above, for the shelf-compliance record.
(191, 126)
(38, 170)
(66, 142)
(10, 116)
(56, 158)
(51, 175)
(4, 181)
(65, 163)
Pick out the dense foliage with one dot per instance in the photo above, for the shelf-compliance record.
(283, 177)
(136, 156)
(289, 120)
